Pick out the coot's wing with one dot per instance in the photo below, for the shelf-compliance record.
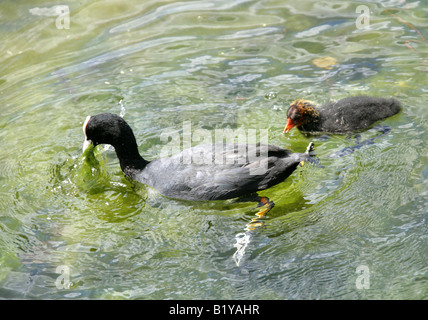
(209, 172)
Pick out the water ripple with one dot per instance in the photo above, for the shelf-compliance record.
(115, 54)
(175, 8)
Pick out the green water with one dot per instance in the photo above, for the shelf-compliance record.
(77, 229)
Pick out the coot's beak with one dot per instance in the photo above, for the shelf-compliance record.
(290, 125)
(87, 142)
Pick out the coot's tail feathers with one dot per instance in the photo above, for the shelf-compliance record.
(311, 156)
(310, 148)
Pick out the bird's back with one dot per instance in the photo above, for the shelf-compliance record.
(354, 113)
(220, 171)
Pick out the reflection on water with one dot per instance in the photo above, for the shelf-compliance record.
(219, 65)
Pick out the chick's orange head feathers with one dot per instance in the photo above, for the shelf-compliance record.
(298, 113)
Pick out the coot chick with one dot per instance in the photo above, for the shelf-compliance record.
(346, 115)
(204, 172)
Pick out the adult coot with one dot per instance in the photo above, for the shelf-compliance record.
(346, 115)
(204, 172)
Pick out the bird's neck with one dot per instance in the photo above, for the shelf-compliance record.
(131, 162)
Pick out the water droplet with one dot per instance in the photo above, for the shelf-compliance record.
(271, 95)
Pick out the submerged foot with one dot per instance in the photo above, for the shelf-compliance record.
(383, 130)
(243, 238)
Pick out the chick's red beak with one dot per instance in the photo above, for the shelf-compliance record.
(290, 125)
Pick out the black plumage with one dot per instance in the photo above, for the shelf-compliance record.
(204, 172)
(346, 115)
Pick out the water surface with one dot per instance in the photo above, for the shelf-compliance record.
(73, 230)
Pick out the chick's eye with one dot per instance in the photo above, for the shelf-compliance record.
(294, 115)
